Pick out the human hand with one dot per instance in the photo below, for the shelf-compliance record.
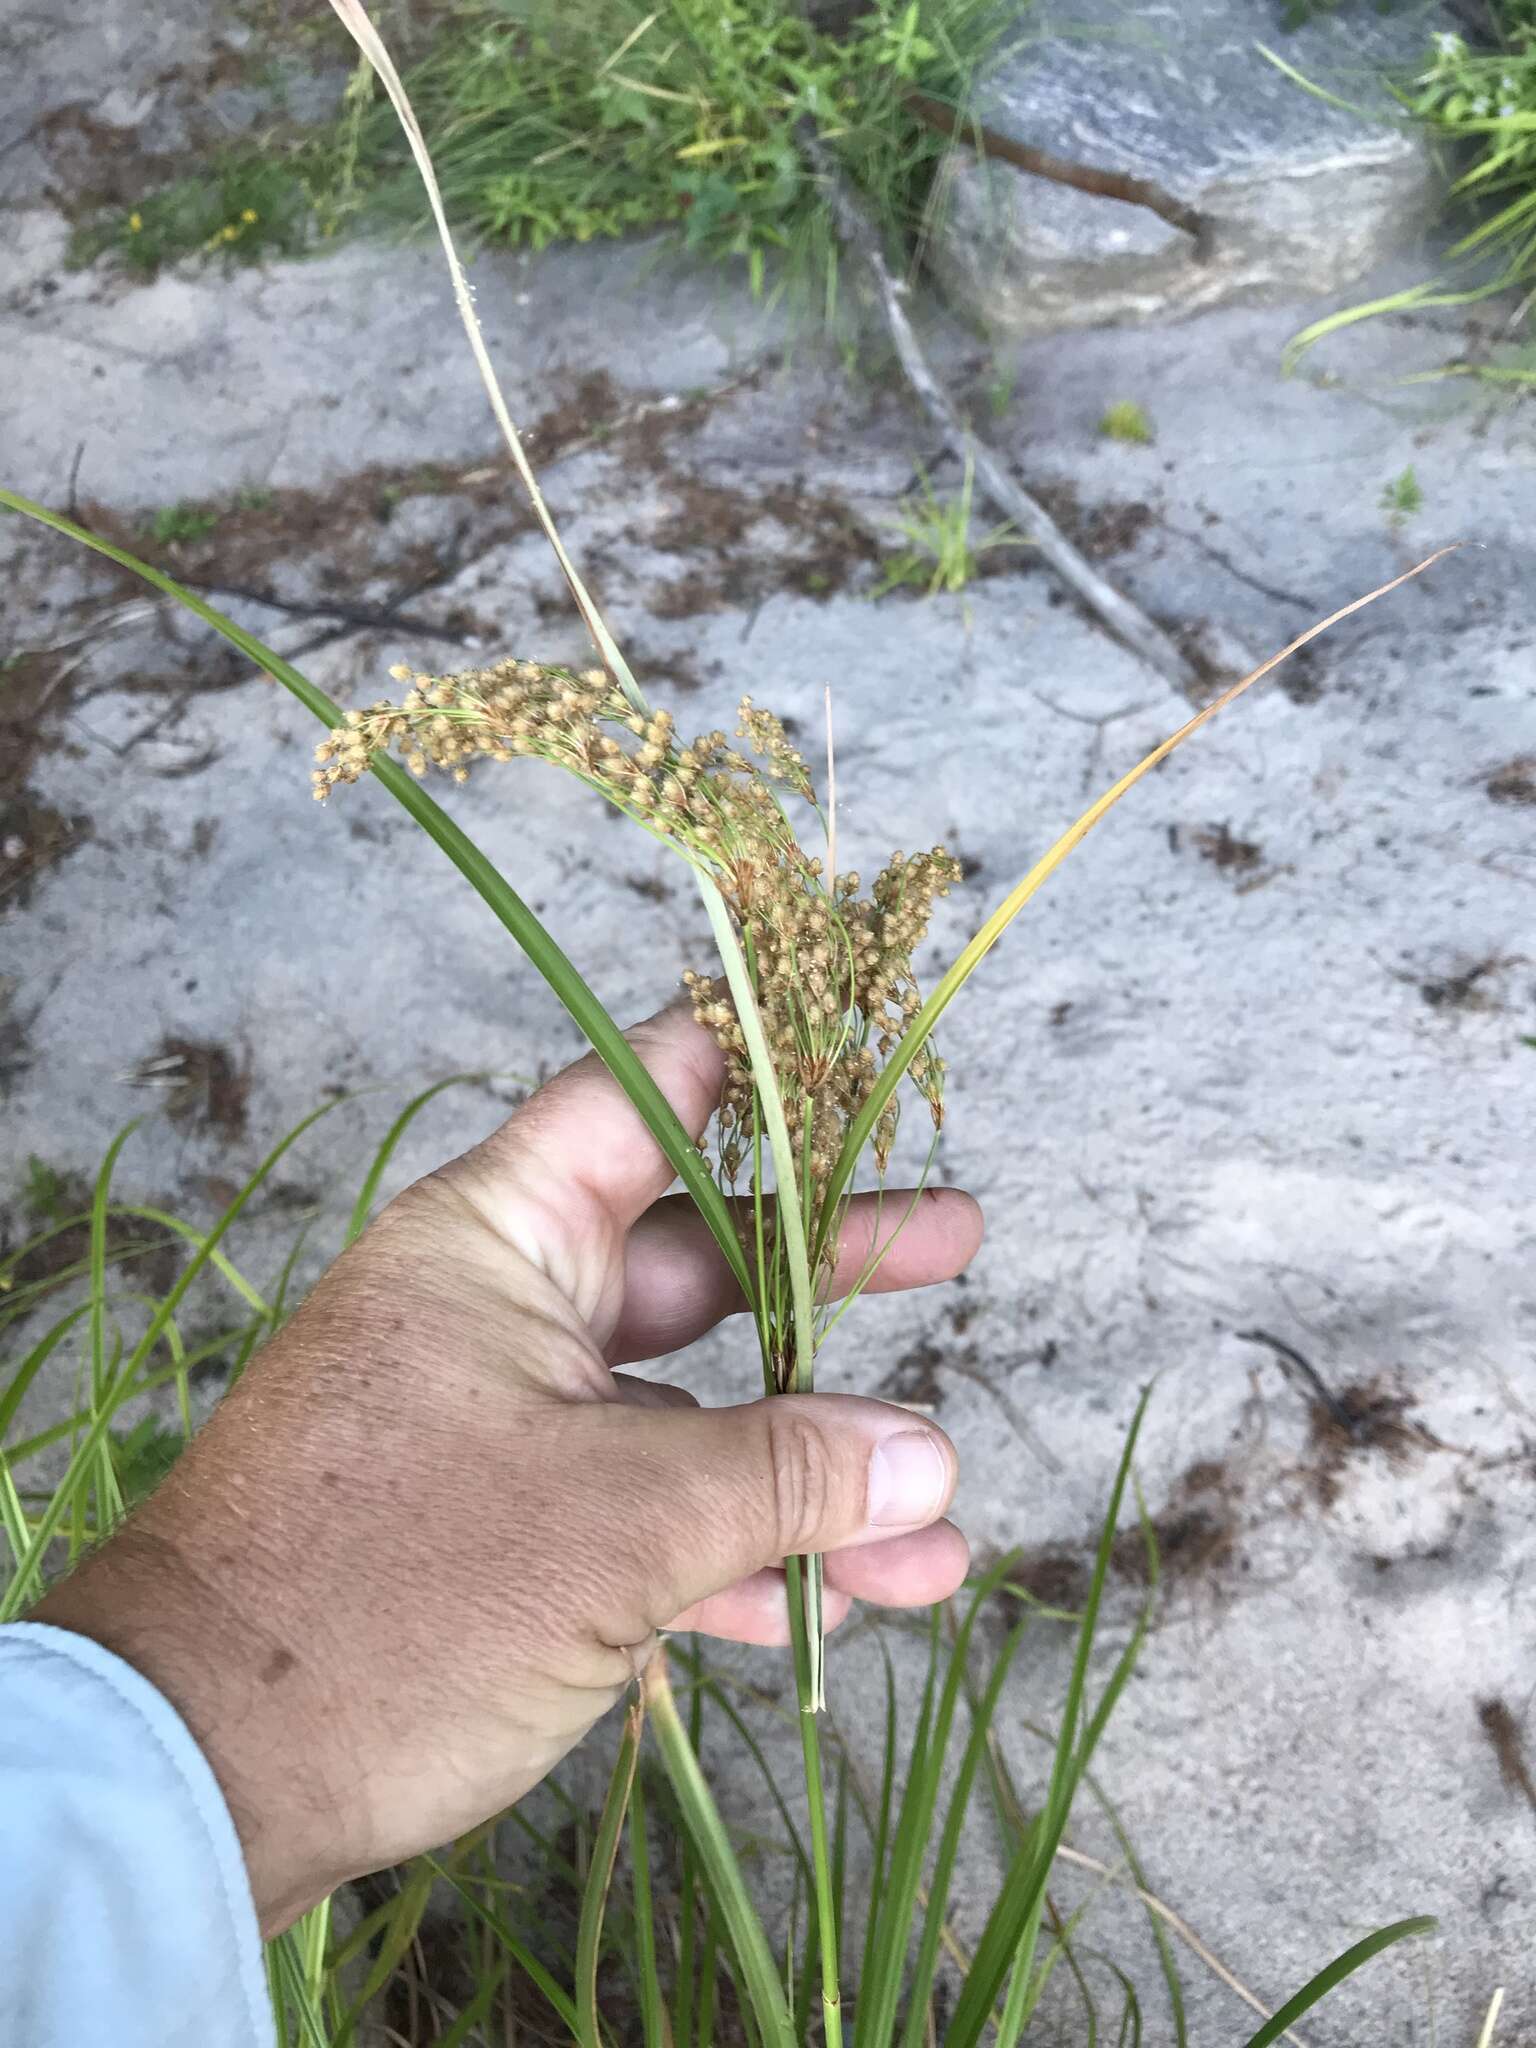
(431, 1534)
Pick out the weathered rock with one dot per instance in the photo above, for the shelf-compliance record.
(1299, 195)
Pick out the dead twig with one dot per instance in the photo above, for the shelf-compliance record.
(1223, 560)
(1129, 624)
(1182, 1929)
(1027, 1435)
(384, 618)
(1294, 1363)
(1060, 170)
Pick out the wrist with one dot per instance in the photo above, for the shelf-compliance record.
(195, 1622)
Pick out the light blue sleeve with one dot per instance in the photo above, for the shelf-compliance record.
(126, 1918)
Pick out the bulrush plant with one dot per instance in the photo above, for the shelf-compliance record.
(826, 1032)
(828, 971)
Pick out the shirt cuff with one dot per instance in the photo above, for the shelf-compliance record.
(126, 1917)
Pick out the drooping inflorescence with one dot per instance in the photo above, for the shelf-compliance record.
(831, 968)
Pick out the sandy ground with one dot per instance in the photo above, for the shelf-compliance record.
(1255, 1060)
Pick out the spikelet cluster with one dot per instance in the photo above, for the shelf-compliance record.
(832, 967)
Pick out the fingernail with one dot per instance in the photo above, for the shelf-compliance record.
(908, 1479)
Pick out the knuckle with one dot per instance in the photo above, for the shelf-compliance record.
(801, 1474)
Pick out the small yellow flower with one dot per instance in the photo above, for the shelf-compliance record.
(231, 233)
(135, 222)
(250, 216)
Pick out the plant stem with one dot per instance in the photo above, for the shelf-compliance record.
(727, 1891)
(787, 1192)
(791, 1233)
(803, 1575)
(815, 1795)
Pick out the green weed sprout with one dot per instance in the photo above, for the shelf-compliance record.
(823, 1022)
(181, 522)
(1402, 498)
(246, 208)
(1125, 421)
(940, 554)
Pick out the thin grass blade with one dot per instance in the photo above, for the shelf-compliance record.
(924, 1969)
(759, 1973)
(368, 1193)
(476, 2012)
(655, 2029)
(1019, 1902)
(563, 2004)
(355, 19)
(1341, 1967)
(400, 1930)
(918, 1032)
(594, 1901)
(18, 1593)
(605, 1037)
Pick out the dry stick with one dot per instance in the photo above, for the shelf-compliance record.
(959, 1956)
(1148, 1899)
(831, 793)
(1185, 1933)
(1060, 170)
(1129, 624)
(363, 617)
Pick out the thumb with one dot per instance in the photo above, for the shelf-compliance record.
(693, 1500)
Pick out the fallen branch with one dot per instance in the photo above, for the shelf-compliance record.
(1129, 624)
(360, 617)
(1060, 170)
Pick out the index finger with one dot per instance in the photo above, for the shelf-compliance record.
(677, 1286)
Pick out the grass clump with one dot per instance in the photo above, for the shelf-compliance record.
(183, 521)
(570, 123)
(1402, 498)
(1477, 100)
(249, 205)
(519, 1927)
(1126, 421)
(940, 554)
(1481, 102)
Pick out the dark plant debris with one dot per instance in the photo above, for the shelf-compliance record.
(1301, 678)
(1111, 527)
(1466, 990)
(824, 551)
(914, 1378)
(1508, 1742)
(1196, 1533)
(1217, 844)
(205, 1088)
(54, 1206)
(33, 836)
(1369, 1415)
(1299, 1368)
(1515, 782)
